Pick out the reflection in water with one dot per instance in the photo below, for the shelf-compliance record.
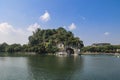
(13, 68)
(54, 68)
(96, 67)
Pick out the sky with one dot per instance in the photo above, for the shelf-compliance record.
(93, 21)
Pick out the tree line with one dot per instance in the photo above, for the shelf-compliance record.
(104, 49)
(45, 41)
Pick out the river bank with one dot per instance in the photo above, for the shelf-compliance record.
(56, 54)
(99, 53)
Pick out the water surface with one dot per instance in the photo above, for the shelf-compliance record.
(85, 67)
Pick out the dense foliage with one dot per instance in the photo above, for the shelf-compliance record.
(45, 41)
(106, 49)
(10, 48)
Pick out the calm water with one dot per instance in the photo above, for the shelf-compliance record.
(86, 67)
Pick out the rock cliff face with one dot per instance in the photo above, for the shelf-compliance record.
(67, 49)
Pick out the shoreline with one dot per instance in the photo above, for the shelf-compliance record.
(82, 53)
(99, 53)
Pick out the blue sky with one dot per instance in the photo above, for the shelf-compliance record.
(93, 21)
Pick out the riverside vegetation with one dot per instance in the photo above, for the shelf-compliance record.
(45, 41)
(102, 49)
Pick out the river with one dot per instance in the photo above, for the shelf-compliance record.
(84, 67)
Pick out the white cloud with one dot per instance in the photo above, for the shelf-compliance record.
(72, 26)
(6, 29)
(33, 27)
(45, 17)
(10, 34)
(106, 33)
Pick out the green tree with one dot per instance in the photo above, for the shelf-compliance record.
(3, 47)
